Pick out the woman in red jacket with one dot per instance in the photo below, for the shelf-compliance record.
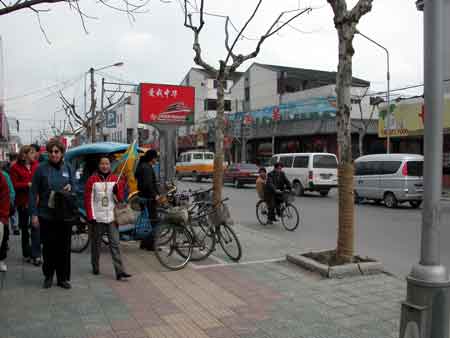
(21, 175)
(103, 190)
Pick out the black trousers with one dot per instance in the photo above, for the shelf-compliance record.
(148, 242)
(33, 250)
(4, 243)
(56, 240)
(273, 203)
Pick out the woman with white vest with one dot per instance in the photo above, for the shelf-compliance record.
(103, 190)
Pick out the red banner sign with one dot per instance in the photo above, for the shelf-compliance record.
(276, 116)
(166, 104)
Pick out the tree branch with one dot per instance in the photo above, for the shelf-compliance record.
(361, 8)
(242, 30)
(242, 58)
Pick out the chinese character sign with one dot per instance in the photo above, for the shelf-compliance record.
(166, 104)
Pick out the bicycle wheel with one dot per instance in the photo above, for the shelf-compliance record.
(167, 250)
(80, 238)
(290, 217)
(262, 212)
(204, 242)
(229, 242)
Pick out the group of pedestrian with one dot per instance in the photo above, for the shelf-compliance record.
(15, 183)
(41, 188)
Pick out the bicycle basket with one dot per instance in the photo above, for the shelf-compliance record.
(177, 215)
(221, 215)
(288, 197)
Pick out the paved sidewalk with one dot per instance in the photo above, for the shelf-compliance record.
(259, 300)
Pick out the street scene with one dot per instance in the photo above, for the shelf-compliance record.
(224, 169)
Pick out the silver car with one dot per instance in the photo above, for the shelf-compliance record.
(391, 178)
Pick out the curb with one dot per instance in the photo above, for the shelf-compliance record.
(340, 271)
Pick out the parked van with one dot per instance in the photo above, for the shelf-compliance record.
(195, 164)
(309, 171)
(392, 178)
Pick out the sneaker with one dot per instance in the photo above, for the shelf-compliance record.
(123, 275)
(3, 267)
(37, 261)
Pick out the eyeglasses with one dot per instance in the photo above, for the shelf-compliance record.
(56, 151)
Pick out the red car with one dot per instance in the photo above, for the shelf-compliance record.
(240, 174)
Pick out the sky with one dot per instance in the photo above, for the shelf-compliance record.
(156, 47)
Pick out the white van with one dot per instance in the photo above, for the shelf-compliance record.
(391, 178)
(195, 164)
(309, 171)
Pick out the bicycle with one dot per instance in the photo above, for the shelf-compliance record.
(290, 217)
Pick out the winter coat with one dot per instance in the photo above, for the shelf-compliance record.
(21, 176)
(12, 192)
(97, 188)
(4, 196)
(48, 177)
(147, 182)
(276, 181)
(260, 187)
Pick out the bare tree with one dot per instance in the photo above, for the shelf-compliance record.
(225, 70)
(363, 124)
(130, 7)
(83, 120)
(345, 22)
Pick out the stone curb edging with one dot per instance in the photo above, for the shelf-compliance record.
(339, 271)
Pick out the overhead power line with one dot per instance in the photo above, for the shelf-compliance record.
(36, 91)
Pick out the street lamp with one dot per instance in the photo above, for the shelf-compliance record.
(426, 309)
(388, 92)
(91, 72)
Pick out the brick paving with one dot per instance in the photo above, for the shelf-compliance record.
(260, 300)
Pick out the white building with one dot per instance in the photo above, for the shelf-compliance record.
(122, 124)
(265, 85)
(206, 93)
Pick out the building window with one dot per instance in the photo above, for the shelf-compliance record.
(211, 104)
(247, 94)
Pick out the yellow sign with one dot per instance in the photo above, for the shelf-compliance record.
(407, 118)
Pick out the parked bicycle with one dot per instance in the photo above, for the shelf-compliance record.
(290, 216)
(206, 225)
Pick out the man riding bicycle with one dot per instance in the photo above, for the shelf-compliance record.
(276, 183)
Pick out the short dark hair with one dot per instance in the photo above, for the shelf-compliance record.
(36, 147)
(262, 169)
(150, 155)
(55, 143)
(278, 165)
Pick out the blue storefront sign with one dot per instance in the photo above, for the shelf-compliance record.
(111, 119)
(308, 109)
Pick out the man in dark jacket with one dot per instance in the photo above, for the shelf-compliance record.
(148, 188)
(275, 184)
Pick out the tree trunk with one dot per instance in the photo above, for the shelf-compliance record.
(345, 242)
(219, 156)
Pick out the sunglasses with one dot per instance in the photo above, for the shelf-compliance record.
(56, 151)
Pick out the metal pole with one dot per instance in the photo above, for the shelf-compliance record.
(388, 93)
(388, 100)
(425, 313)
(93, 127)
(103, 117)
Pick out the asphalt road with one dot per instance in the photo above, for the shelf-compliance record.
(389, 235)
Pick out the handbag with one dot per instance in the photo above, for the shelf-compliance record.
(123, 214)
(66, 207)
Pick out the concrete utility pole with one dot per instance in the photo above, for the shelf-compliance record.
(425, 313)
(93, 127)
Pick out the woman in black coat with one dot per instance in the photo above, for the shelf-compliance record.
(148, 189)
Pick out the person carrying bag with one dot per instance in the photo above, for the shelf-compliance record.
(102, 193)
(53, 178)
